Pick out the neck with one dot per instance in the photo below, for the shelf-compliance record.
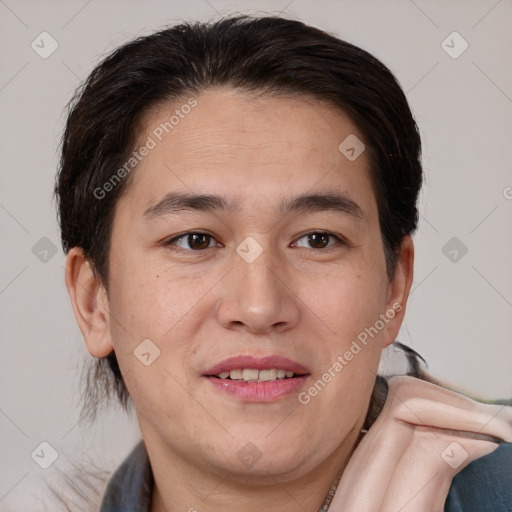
(180, 486)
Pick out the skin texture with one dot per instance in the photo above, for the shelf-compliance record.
(199, 307)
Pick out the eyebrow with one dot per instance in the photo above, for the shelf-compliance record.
(176, 202)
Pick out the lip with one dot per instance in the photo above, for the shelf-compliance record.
(257, 363)
(268, 391)
(259, 391)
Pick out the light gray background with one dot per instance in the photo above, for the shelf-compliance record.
(459, 313)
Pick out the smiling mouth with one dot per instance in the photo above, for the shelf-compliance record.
(258, 379)
(255, 375)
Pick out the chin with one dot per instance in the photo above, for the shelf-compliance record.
(267, 471)
(262, 461)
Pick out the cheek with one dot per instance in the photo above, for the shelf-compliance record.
(351, 307)
(348, 301)
(152, 312)
(343, 384)
(147, 302)
(150, 332)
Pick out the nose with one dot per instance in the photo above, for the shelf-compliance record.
(259, 297)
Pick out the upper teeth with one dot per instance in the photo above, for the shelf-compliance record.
(253, 374)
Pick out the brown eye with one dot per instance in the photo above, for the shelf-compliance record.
(192, 241)
(319, 240)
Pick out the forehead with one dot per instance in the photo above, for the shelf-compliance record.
(224, 140)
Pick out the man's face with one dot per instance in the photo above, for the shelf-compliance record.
(270, 283)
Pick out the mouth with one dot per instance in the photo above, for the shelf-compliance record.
(255, 375)
(257, 379)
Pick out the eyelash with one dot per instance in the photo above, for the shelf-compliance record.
(171, 242)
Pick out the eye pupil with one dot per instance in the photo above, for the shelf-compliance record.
(319, 240)
(198, 240)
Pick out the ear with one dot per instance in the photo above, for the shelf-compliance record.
(398, 291)
(90, 303)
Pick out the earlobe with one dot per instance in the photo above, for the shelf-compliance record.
(90, 303)
(398, 290)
